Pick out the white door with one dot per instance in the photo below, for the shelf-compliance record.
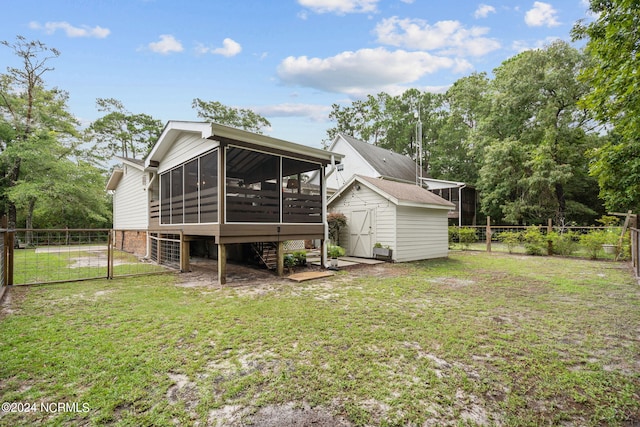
(361, 233)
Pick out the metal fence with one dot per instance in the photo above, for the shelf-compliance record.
(63, 255)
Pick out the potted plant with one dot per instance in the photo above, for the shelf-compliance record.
(335, 251)
(380, 251)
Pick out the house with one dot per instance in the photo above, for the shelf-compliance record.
(231, 188)
(362, 158)
(407, 218)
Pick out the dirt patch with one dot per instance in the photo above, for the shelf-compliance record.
(288, 415)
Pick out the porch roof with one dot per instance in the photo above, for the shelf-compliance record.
(208, 130)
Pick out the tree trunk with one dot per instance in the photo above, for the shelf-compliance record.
(562, 204)
(29, 222)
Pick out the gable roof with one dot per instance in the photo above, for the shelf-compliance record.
(387, 163)
(174, 128)
(118, 172)
(399, 193)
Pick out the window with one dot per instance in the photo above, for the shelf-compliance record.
(300, 203)
(189, 192)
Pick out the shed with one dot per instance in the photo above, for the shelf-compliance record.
(408, 219)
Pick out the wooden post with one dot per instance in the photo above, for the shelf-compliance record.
(280, 253)
(549, 241)
(222, 264)
(184, 254)
(488, 233)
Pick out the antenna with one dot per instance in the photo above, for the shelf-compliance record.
(419, 143)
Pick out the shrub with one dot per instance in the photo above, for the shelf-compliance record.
(467, 236)
(335, 251)
(564, 243)
(453, 234)
(511, 239)
(336, 221)
(593, 241)
(300, 257)
(535, 243)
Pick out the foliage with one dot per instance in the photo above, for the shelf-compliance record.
(510, 238)
(592, 242)
(297, 258)
(240, 118)
(563, 243)
(535, 138)
(44, 169)
(120, 132)
(335, 251)
(467, 236)
(535, 242)
(612, 74)
(336, 221)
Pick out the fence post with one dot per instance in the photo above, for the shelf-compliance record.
(488, 234)
(10, 238)
(110, 242)
(549, 241)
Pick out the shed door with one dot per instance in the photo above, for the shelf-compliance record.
(361, 233)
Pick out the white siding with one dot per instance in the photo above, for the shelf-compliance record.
(421, 234)
(185, 147)
(352, 164)
(384, 215)
(130, 201)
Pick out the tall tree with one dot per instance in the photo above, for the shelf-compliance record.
(241, 118)
(120, 132)
(613, 42)
(27, 107)
(535, 121)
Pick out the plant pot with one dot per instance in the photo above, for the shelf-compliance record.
(334, 262)
(609, 249)
(382, 253)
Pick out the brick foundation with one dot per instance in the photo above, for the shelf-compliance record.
(131, 241)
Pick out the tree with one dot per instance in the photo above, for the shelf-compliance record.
(614, 97)
(27, 107)
(121, 132)
(240, 118)
(534, 121)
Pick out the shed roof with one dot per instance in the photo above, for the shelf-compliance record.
(399, 193)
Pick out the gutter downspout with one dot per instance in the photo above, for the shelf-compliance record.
(460, 204)
(324, 210)
(154, 175)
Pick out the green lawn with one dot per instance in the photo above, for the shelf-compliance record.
(475, 339)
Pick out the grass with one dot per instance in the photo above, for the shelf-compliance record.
(475, 339)
(74, 263)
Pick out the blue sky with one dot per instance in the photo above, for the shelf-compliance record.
(288, 60)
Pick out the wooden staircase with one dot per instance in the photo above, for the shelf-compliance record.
(266, 253)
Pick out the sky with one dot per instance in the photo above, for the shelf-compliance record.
(288, 60)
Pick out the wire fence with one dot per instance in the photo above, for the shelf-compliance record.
(64, 255)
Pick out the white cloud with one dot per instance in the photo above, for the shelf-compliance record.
(315, 112)
(166, 45)
(483, 11)
(447, 36)
(229, 48)
(340, 7)
(364, 71)
(522, 45)
(542, 14)
(71, 31)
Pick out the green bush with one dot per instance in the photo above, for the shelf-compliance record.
(334, 251)
(564, 243)
(300, 257)
(535, 243)
(467, 236)
(511, 239)
(453, 234)
(593, 241)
